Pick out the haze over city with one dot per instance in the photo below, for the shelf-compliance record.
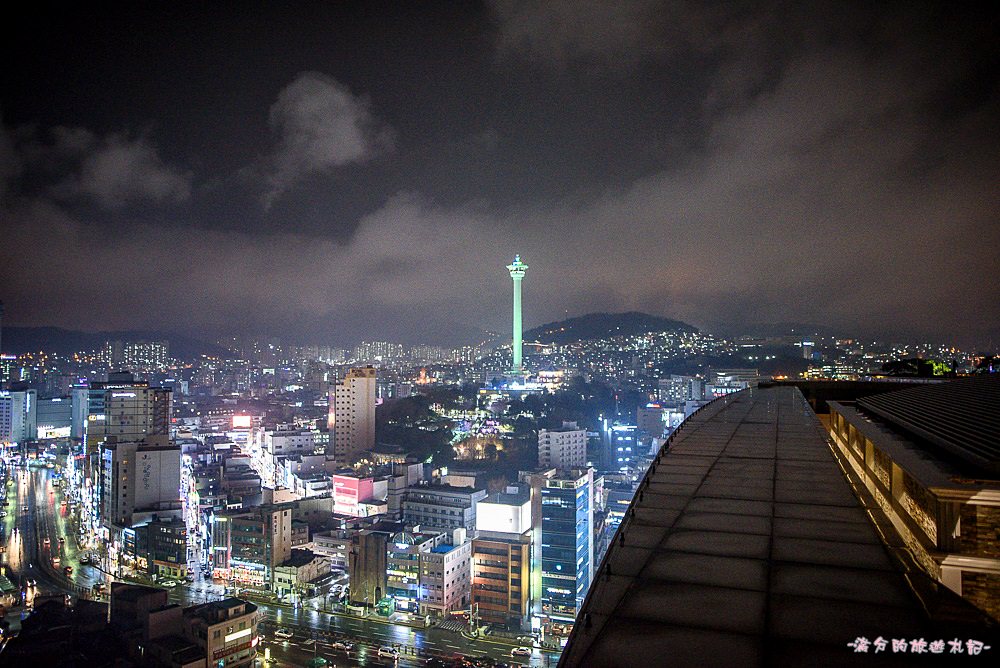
(342, 170)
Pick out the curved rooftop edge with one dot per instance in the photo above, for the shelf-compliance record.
(747, 545)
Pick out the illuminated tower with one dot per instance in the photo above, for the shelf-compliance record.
(517, 270)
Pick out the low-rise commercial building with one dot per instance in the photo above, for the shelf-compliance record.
(226, 631)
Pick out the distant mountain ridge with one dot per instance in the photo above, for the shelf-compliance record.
(604, 325)
(17, 340)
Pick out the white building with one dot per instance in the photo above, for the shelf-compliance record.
(674, 391)
(505, 512)
(445, 576)
(352, 414)
(138, 477)
(284, 441)
(17, 416)
(563, 448)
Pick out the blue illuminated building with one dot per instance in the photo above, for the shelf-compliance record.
(567, 547)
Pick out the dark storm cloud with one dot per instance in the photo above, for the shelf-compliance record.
(827, 166)
(112, 171)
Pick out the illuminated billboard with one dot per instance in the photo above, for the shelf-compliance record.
(48, 431)
(242, 421)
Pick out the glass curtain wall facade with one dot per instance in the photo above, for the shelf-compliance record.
(567, 547)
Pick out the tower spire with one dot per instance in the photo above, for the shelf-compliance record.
(517, 269)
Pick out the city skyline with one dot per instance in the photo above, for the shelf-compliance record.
(363, 166)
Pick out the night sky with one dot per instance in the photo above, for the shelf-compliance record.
(333, 171)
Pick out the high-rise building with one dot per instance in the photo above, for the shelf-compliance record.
(563, 448)
(79, 401)
(138, 477)
(54, 418)
(352, 414)
(501, 559)
(18, 411)
(567, 547)
(133, 411)
(676, 390)
(138, 470)
(136, 355)
(517, 270)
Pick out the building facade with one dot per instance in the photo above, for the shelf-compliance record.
(567, 546)
(442, 507)
(562, 448)
(138, 477)
(226, 631)
(367, 566)
(18, 411)
(248, 545)
(352, 414)
(445, 577)
(946, 510)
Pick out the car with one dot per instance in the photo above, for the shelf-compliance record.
(390, 652)
(62, 541)
(283, 634)
(84, 560)
(342, 645)
(46, 542)
(527, 640)
(24, 509)
(521, 651)
(169, 584)
(68, 570)
(55, 560)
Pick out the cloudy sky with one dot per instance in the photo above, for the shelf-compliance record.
(337, 171)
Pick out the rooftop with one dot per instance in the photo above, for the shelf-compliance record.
(513, 496)
(961, 416)
(745, 545)
(214, 612)
(299, 558)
